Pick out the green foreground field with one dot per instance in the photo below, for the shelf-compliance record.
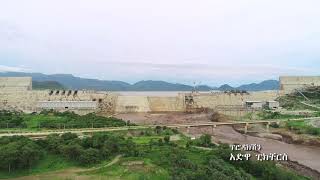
(133, 155)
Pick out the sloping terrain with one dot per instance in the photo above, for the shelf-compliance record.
(308, 98)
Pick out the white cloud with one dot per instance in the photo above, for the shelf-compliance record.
(13, 69)
(180, 40)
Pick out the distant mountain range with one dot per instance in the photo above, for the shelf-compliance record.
(68, 81)
(47, 85)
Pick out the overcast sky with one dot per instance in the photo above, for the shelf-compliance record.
(208, 41)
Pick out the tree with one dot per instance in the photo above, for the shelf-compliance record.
(29, 154)
(205, 140)
(18, 152)
(130, 148)
(52, 143)
(89, 156)
(71, 151)
(68, 136)
(8, 156)
(166, 139)
(158, 129)
(160, 142)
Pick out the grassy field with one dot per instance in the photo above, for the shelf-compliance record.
(48, 164)
(265, 115)
(132, 168)
(35, 121)
(302, 127)
(56, 120)
(269, 115)
(146, 139)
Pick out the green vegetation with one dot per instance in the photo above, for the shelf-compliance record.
(56, 120)
(264, 115)
(183, 163)
(11, 119)
(41, 85)
(302, 127)
(156, 159)
(18, 153)
(142, 154)
(299, 127)
(132, 168)
(293, 101)
(268, 115)
(203, 141)
(176, 162)
(47, 163)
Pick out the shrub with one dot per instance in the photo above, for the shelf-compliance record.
(274, 125)
(204, 140)
(312, 130)
(166, 139)
(89, 156)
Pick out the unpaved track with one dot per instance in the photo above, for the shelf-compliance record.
(70, 174)
(67, 174)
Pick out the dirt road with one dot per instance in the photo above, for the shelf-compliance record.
(71, 173)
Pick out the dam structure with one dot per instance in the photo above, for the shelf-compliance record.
(16, 93)
(289, 84)
(15, 84)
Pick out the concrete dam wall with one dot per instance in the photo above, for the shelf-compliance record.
(109, 103)
(289, 84)
(163, 104)
(179, 104)
(126, 104)
(28, 101)
(132, 104)
(212, 100)
(16, 94)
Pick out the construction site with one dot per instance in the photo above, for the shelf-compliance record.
(223, 115)
(182, 107)
(17, 93)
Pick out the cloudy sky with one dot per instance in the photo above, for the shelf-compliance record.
(206, 41)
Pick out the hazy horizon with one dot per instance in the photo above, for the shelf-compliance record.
(208, 42)
(132, 83)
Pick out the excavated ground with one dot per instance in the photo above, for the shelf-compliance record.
(164, 118)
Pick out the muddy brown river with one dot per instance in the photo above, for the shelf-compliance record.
(306, 155)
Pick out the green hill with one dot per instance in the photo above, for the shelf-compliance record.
(59, 81)
(47, 85)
